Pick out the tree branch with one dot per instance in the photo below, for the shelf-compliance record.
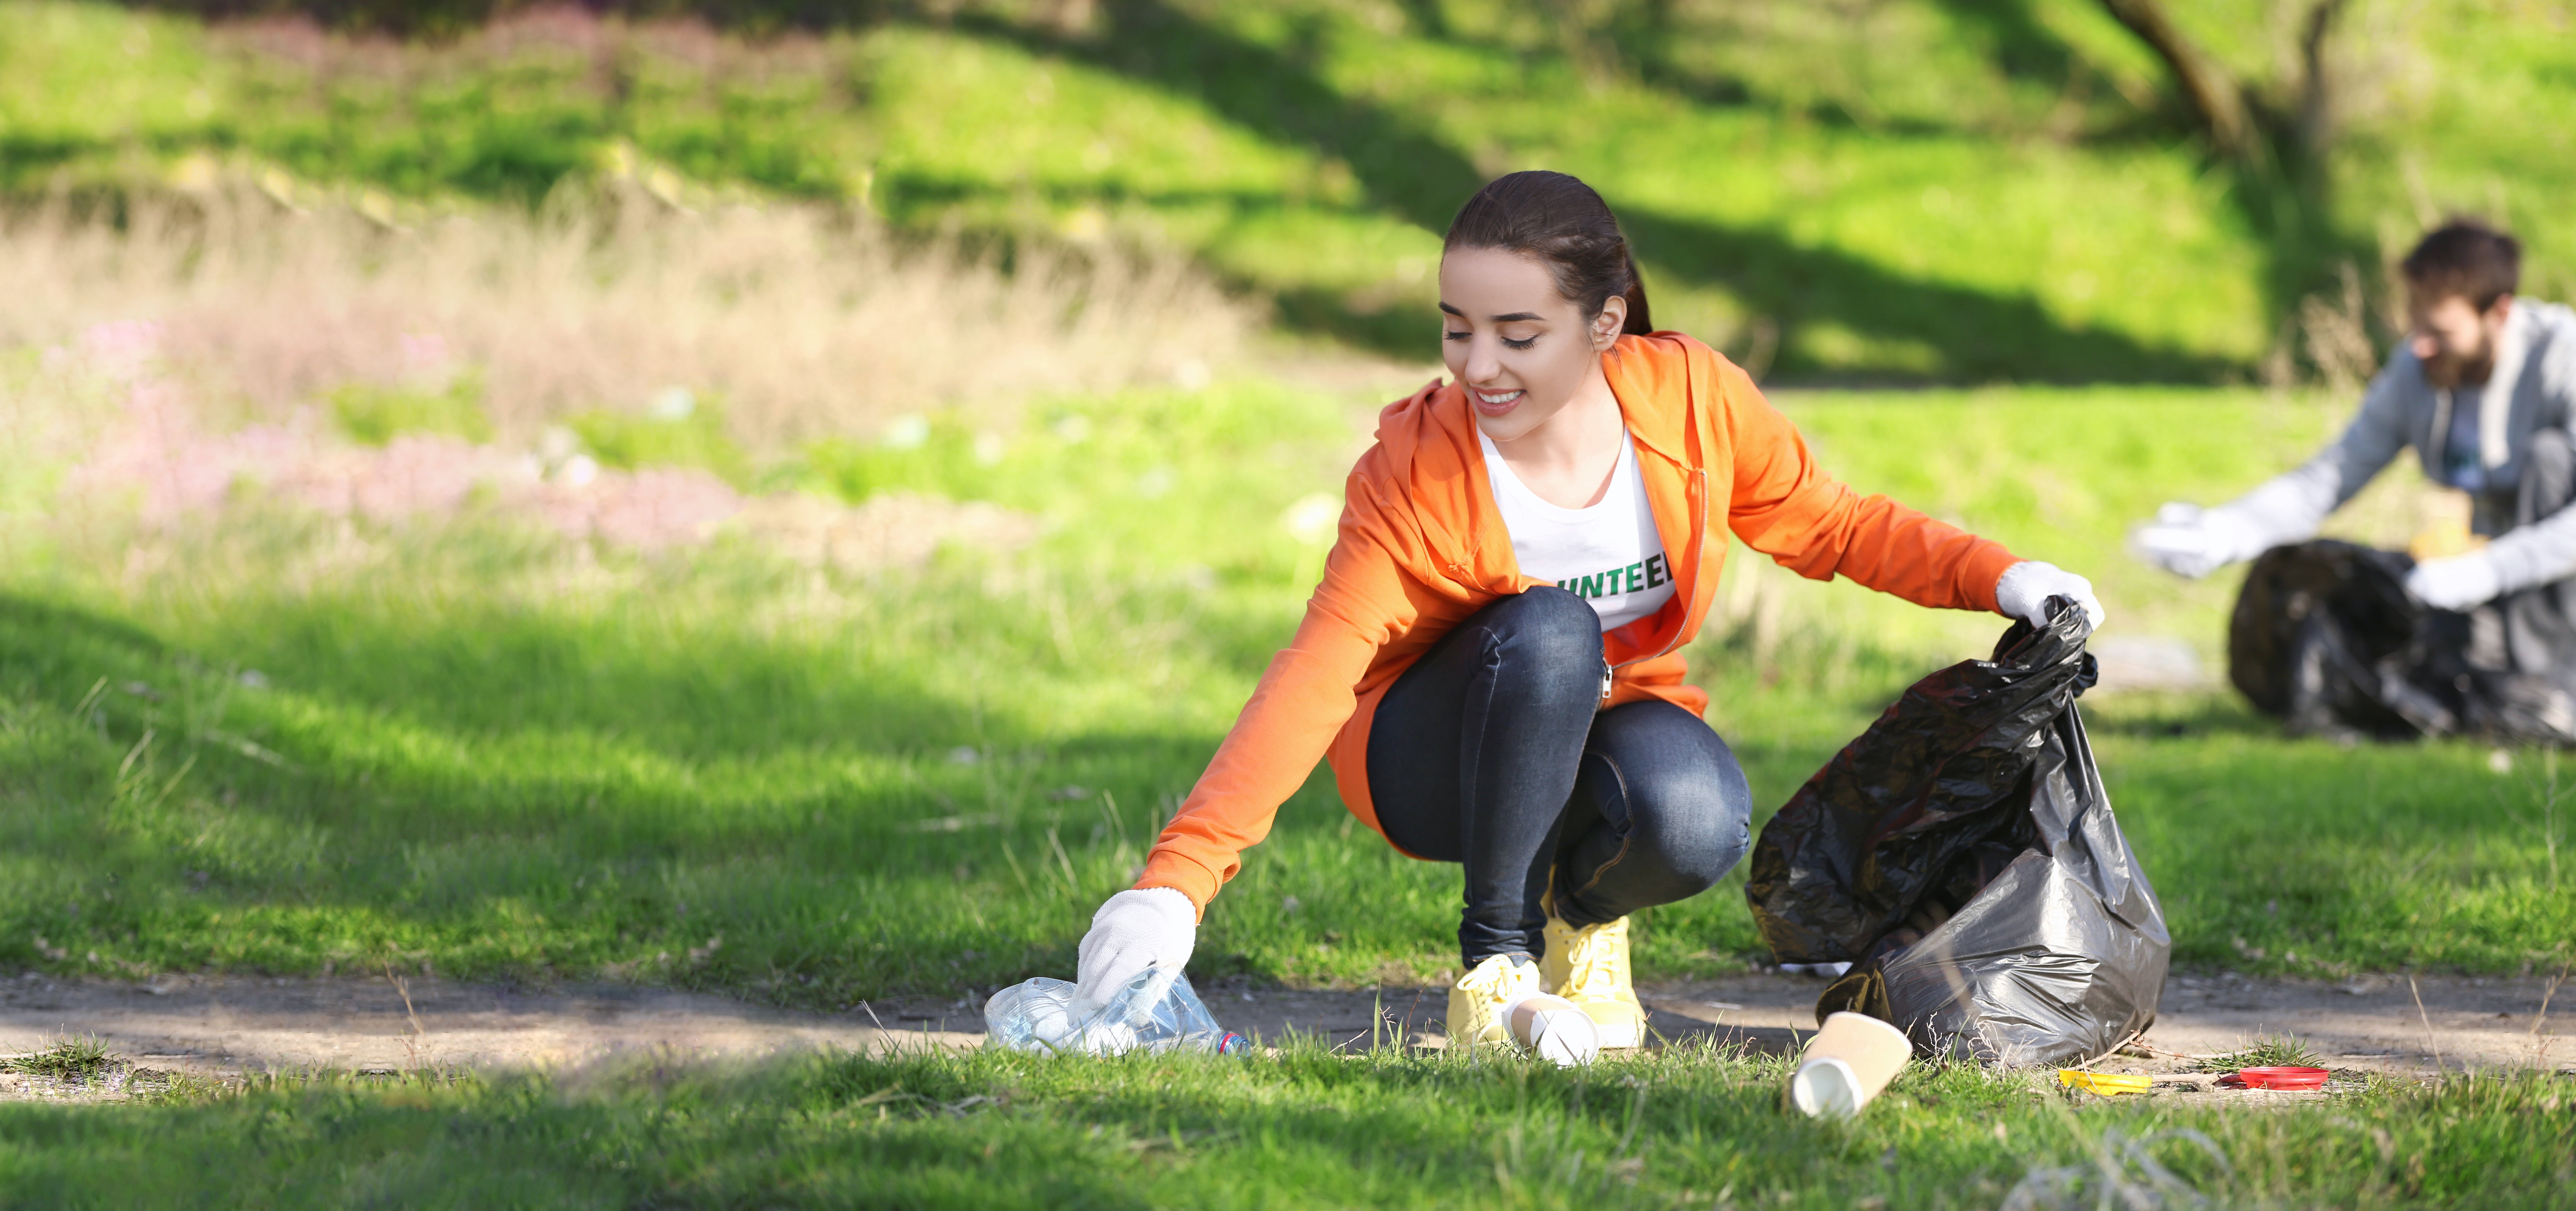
(2215, 97)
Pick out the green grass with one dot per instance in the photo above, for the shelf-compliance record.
(1927, 191)
(681, 432)
(2269, 1051)
(275, 745)
(372, 415)
(271, 744)
(1306, 1127)
(467, 748)
(70, 1058)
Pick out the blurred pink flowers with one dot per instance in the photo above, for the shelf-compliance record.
(175, 470)
(426, 358)
(121, 350)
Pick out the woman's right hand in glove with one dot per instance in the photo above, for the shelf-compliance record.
(1136, 929)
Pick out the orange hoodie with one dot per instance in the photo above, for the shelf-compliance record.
(1422, 547)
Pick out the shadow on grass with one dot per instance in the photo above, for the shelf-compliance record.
(565, 798)
(1406, 168)
(523, 798)
(503, 673)
(501, 795)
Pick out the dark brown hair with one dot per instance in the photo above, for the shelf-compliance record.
(2467, 258)
(1562, 222)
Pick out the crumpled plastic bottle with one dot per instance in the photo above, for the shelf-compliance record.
(1036, 1015)
(1156, 1011)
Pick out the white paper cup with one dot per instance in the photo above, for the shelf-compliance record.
(1553, 1029)
(1848, 1062)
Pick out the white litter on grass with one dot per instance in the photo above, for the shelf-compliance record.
(1833, 970)
(910, 431)
(674, 404)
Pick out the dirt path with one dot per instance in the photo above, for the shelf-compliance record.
(236, 1025)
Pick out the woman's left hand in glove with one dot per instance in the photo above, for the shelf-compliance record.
(2026, 587)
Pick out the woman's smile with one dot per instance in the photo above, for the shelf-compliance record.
(1497, 403)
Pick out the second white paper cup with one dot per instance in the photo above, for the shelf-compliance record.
(1847, 1064)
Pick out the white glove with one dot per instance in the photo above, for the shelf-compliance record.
(2461, 582)
(2188, 540)
(2026, 587)
(1135, 929)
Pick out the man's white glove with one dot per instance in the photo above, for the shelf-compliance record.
(2188, 540)
(2026, 587)
(1135, 929)
(2461, 582)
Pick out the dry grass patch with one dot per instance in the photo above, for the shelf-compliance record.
(792, 322)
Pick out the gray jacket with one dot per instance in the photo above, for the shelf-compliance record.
(2533, 388)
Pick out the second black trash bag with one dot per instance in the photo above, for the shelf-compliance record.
(1962, 856)
(2325, 636)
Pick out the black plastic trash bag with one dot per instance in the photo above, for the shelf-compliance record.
(1962, 856)
(2325, 637)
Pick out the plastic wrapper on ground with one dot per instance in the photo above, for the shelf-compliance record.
(1156, 1011)
(1962, 855)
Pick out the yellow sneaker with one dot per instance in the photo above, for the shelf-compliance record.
(1477, 1001)
(1589, 966)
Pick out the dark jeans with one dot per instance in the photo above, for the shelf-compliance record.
(1491, 751)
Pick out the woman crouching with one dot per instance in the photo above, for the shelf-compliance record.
(1493, 664)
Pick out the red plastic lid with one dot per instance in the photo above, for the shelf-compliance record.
(2278, 1078)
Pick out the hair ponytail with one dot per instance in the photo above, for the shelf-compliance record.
(1564, 223)
(1640, 321)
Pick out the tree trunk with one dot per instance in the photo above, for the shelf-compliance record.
(2316, 99)
(2215, 97)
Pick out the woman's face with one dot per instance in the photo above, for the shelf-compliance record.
(1521, 349)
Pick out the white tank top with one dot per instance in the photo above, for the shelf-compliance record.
(1609, 554)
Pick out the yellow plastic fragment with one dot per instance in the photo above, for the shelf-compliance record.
(2104, 1083)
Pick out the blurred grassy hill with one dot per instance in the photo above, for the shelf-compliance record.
(1912, 190)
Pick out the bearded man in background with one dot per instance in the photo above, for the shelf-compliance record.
(2481, 389)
